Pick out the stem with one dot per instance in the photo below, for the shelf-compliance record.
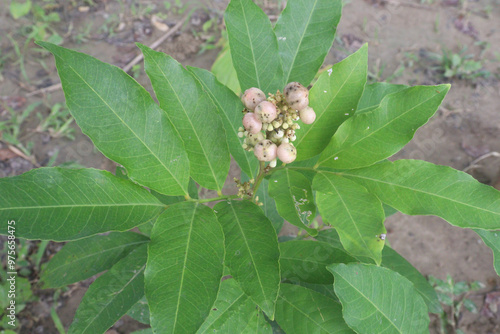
(260, 177)
(208, 200)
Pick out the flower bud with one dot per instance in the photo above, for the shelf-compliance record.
(251, 123)
(307, 115)
(265, 150)
(266, 112)
(252, 97)
(296, 95)
(287, 153)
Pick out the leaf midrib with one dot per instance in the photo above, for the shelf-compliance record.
(305, 314)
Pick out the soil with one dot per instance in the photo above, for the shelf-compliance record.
(402, 36)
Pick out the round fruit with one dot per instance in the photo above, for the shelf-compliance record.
(251, 123)
(287, 153)
(255, 138)
(266, 112)
(296, 96)
(307, 115)
(252, 97)
(265, 150)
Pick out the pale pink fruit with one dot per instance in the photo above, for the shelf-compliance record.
(296, 96)
(251, 123)
(265, 150)
(252, 97)
(307, 115)
(266, 112)
(287, 153)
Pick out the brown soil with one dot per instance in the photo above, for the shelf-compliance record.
(400, 35)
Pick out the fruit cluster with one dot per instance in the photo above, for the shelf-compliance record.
(275, 116)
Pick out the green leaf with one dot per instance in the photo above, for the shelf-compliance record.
(234, 312)
(65, 204)
(168, 200)
(334, 98)
(373, 136)
(324, 289)
(123, 121)
(185, 264)
(375, 93)
(84, 258)
(417, 187)
(378, 300)
(394, 261)
(492, 240)
(111, 295)
(193, 115)
(252, 252)
(306, 261)
(229, 108)
(300, 310)
(357, 215)
(254, 48)
(140, 311)
(19, 9)
(294, 198)
(330, 236)
(224, 71)
(305, 32)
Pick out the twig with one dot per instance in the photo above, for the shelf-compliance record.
(22, 155)
(127, 67)
(474, 164)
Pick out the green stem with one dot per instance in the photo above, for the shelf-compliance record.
(208, 200)
(260, 177)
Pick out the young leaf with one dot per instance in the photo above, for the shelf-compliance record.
(357, 215)
(224, 71)
(373, 136)
(492, 240)
(234, 312)
(417, 187)
(66, 204)
(229, 108)
(334, 98)
(375, 93)
(294, 198)
(306, 261)
(300, 310)
(378, 300)
(252, 252)
(193, 115)
(254, 47)
(185, 264)
(123, 121)
(394, 261)
(305, 32)
(111, 295)
(84, 258)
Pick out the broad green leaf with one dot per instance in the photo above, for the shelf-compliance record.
(111, 295)
(394, 261)
(417, 187)
(324, 289)
(334, 98)
(234, 312)
(123, 121)
(373, 136)
(375, 93)
(193, 115)
(306, 261)
(300, 310)
(184, 269)
(229, 108)
(19, 8)
(168, 200)
(305, 32)
(65, 204)
(224, 71)
(294, 198)
(378, 300)
(492, 240)
(357, 215)
(252, 252)
(140, 311)
(254, 48)
(84, 258)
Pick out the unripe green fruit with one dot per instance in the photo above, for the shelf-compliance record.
(255, 138)
(251, 123)
(266, 112)
(265, 150)
(296, 96)
(252, 97)
(307, 115)
(287, 153)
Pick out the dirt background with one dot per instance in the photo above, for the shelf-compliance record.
(401, 36)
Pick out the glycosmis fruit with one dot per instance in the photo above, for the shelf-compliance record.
(269, 125)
